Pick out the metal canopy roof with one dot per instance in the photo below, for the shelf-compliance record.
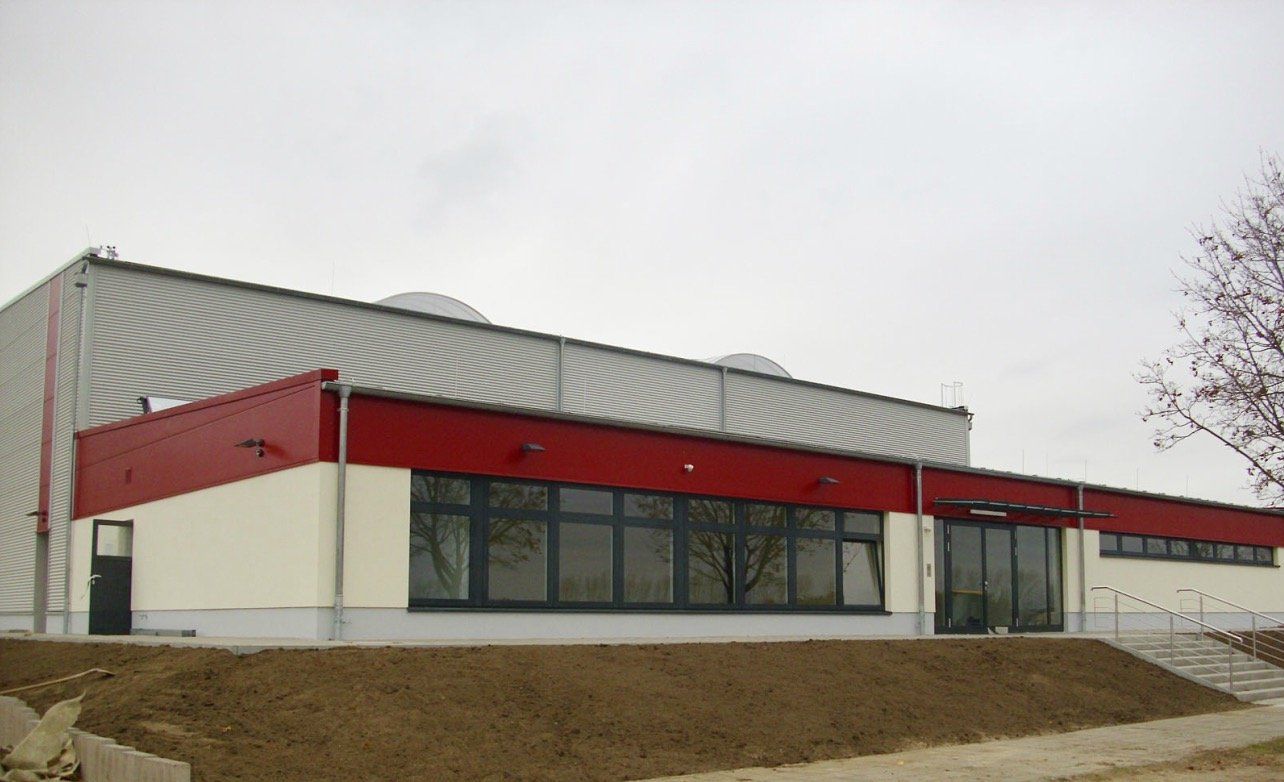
(1033, 510)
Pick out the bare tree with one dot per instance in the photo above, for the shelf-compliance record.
(1226, 376)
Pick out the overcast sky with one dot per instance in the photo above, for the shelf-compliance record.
(883, 196)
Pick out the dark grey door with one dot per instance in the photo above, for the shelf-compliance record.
(997, 578)
(111, 568)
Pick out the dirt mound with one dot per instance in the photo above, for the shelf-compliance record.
(588, 712)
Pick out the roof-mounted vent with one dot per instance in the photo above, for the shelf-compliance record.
(434, 304)
(751, 362)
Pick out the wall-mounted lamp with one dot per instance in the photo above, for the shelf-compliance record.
(688, 468)
(532, 448)
(256, 443)
(38, 513)
(827, 481)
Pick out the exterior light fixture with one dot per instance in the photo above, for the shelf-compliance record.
(827, 481)
(998, 514)
(532, 448)
(256, 443)
(688, 468)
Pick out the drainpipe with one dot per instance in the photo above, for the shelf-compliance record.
(922, 558)
(1083, 569)
(345, 391)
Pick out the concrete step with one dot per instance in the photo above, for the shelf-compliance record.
(1260, 694)
(1209, 670)
(1244, 677)
(1180, 646)
(1198, 657)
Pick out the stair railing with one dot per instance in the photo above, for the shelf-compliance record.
(1173, 617)
(1258, 643)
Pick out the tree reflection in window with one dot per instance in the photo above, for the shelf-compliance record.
(648, 565)
(711, 567)
(439, 556)
(766, 569)
(518, 496)
(648, 506)
(516, 559)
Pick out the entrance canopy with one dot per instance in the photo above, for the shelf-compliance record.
(998, 506)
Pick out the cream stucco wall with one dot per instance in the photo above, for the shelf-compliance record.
(255, 543)
(1157, 580)
(900, 561)
(376, 554)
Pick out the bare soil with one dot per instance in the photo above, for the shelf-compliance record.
(588, 712)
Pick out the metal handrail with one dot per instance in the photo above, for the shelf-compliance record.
(1172, 635)
(1171, 612)
(1232, 605)
(1268, 642)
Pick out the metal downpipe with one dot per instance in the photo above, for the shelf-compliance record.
(1083, 569)
(922, 556)
(345, 392)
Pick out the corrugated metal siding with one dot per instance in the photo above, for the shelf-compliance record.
(779, 410)
(190, 339)
(154, 333)
(612, 384)
(22, 387)
(64, 439)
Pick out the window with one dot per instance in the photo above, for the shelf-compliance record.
(584, 556)
(817, 580)
(585, 501)
(481, 543)
(517, 559)
(862, 581)
(439, 549)
(648, 565)
(711, 567)
(1154, 547)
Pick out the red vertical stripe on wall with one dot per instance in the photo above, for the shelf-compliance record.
(47, 418)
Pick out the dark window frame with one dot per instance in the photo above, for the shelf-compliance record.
(481, 514)
(1202, 551)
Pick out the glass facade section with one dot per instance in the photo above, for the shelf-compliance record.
(508, 544)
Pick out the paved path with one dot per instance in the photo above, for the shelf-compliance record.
(1038, 757)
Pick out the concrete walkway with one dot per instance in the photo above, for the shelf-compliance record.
(1038, 757)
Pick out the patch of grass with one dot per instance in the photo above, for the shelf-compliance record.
(1256, 761)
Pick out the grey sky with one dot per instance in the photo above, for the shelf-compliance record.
(879, 196)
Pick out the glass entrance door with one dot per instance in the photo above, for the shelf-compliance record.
(997, 577)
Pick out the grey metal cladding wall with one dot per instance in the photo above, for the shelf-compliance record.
(22, 389)
(763, 407)
(189, 339)
(614, 384)
(63, 437)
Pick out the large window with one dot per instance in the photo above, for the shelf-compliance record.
(1118, 544)
(479, 542)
